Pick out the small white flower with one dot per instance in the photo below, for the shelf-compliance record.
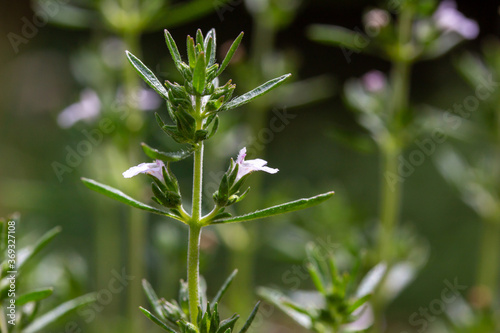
(448, 18)
(154, 169)
(246, 167)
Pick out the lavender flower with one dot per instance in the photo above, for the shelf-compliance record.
(448, 18)
(246, 167)
(374, 81)
(154, 169)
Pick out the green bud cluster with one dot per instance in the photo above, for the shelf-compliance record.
(167, 193)
(194, 105)
(173, 316)
(229, 187)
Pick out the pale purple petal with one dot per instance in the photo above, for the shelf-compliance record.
(246, 167)
(448, 18)
(241, 155)
(154, 169)
(87, 109)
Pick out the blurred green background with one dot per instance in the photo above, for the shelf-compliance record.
(48, 73)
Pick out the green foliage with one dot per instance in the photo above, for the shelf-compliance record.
(27, 318)
(193, 106)
(122, 197)
(173, 316)
(342, 300)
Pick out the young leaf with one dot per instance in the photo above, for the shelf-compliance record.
(152, 297)
(224, 287)
(42, 242)
(359, 302)
(174, 51)
(250, 318)
(122, 197)
(259, 91)
(278, 209)
(199, 74)
(228, 324)
(165, 157)
(156, 320)
(41, 322)
(316, 278)
(230, 53)
(147, 75)
(34, 296)
(210, 44)
(190, 51)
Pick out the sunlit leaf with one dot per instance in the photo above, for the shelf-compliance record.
(122, 197)
(147, 75)
(278, 209)
(259, 91)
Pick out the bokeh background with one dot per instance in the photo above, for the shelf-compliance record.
(317, 150)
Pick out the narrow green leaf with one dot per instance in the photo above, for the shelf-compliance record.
(156, 320)
(279, 209)
(41, 322)
(34, 296)
(166, 157)
(122, 197)
(228, 324)
(250, 318)
(152, 297)
(316, 278)
(215, 127)
(210, 46)
(199, 37)
(230, 53)
(42, 242)
(190, 52)
(199, 74)
(259, 91)
(224, 287)
(359, 302)
(174, 51)
(339, 36)
(147, 75)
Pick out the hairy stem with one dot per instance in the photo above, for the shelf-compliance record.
(194, 271)
(195, 225)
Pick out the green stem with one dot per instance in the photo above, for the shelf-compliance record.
(197, 184)
(195, 224)
(391, 148)
(194, 271)
(489, 260)
(391, 201)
